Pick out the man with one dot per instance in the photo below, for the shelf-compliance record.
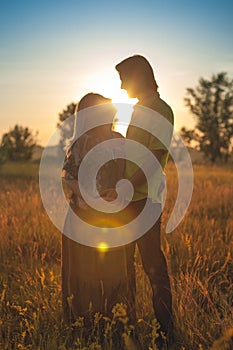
(137, 78)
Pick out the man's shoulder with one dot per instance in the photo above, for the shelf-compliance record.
(158, 105)
(163, 108)
(164, 103)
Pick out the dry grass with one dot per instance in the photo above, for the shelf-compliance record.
(199, 254)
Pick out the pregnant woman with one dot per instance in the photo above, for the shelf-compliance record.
(93, 279)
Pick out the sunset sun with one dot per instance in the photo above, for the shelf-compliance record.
(108, 84)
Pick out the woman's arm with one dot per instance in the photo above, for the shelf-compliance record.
(69, 177)
(72, 185)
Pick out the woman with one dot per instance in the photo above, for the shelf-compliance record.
(92, 279)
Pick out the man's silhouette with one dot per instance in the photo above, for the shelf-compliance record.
(137, 78)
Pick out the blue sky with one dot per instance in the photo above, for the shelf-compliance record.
(52, 53)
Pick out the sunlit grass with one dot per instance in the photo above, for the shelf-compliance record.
(19, 169)
(199, 254)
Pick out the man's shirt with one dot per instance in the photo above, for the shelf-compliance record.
(152, 116)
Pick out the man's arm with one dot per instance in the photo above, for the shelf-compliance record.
(139, 177)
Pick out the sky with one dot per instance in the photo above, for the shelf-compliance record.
(54, 52)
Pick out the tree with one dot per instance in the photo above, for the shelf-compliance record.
(212, 104)
(2, 156)
(66, 131)
(18, 144)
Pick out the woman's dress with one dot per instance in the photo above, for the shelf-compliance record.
(92, 279)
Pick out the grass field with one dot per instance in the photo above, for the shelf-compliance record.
(199, 254)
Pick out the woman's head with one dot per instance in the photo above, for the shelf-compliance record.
(87, 118)
(91, 99)
(94, 113)
(136, 75)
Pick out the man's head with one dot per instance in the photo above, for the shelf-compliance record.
(136, 75)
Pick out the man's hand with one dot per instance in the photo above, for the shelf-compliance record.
(123, 194)
(109, 195)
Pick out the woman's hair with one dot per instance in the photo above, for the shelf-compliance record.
(105, 112)
(91, 99)
(137, 67)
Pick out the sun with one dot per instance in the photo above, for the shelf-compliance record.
(123, 116)
(107, 83)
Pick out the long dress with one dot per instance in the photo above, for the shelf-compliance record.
(92, 279)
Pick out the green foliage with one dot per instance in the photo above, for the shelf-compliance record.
(212, 104)
(2, 156)
(18, 144)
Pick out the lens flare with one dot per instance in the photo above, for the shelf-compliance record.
(102, 247)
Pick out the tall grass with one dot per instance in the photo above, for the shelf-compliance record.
(199, 254)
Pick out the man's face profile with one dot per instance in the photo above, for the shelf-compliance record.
(128, 84)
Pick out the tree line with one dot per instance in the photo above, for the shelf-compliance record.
(210, 102)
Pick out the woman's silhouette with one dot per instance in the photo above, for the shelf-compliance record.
(92, 279)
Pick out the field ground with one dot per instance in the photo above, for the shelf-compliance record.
(199, 254)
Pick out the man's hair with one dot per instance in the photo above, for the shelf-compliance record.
(137, 67)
